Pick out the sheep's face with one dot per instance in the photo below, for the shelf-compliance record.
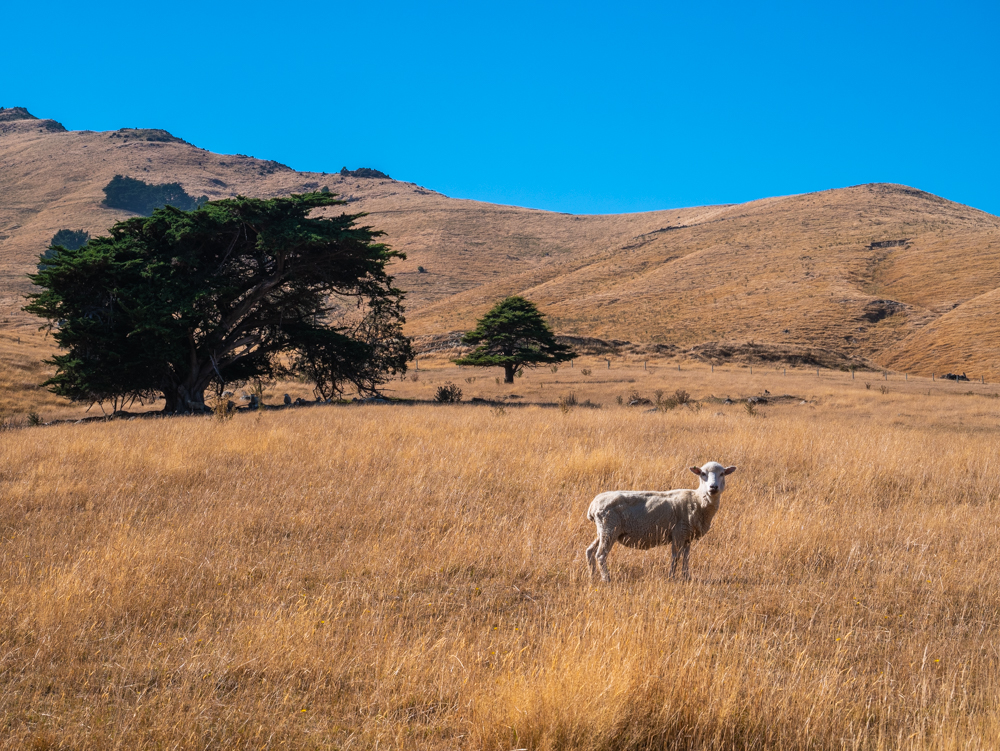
(713, 477)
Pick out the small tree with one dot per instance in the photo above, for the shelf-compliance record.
(513, 335)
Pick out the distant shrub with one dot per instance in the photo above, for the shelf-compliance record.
(449, 393)
(566, 403)
(223, 409)
(671, 402)
(421, 270)
(139, 197)
(70, 238)
(585, 371)
(364, 172)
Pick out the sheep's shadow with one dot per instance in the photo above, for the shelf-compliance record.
(639, 572)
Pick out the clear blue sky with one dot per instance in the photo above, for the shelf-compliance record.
(578, 107)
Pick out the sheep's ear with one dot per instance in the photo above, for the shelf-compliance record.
(729, 470)
(696, 470)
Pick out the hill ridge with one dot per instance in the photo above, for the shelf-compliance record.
(872, 271)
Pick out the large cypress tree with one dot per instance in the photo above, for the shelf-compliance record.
(238, 290)
(513, 335)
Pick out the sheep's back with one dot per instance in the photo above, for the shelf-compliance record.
(637, 512)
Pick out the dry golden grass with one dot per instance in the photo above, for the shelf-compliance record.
(413, 577)
(22, 370)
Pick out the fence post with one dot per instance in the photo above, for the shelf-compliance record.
(644, 364)
(609, 364)
(713, 367)
(678, 367)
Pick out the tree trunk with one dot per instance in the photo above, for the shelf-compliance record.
(508, 373)
(184, 399)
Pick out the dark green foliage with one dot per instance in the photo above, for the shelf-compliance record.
(364, 172)
(70, 238)
(513, 335)
(239, 290)
(448, 394)
(64, 238)
(142, 198)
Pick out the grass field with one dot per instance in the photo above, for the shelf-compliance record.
(413, 576)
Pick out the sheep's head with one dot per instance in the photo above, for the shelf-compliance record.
(713, 477)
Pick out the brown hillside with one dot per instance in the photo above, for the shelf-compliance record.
(857, 270)
(882, 273)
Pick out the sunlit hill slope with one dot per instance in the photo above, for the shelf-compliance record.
(879, 274)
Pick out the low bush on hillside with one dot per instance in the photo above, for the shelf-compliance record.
(449, 393)
(70, 238)
(143, 198)
(364, 172)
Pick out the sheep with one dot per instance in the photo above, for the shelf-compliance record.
(644, 519)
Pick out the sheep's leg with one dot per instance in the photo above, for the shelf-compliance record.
(591, 553)
(605, 542)
(675, 551)
(686, 573)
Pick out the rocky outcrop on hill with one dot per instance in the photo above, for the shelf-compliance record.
(18, 118)
(364, 172)
(157, 135)
(752, 353)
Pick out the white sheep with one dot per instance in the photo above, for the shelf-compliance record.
(644, 519)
